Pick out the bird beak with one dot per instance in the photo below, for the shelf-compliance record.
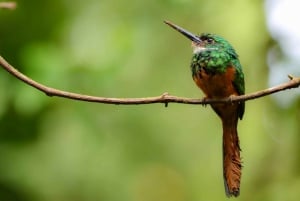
(187, 34)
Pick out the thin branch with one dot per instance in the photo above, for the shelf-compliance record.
(164, 98)
(8, 5)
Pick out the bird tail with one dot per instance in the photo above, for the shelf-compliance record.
(231, 158)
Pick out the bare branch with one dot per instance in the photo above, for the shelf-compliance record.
(164, 98)
(8, 5)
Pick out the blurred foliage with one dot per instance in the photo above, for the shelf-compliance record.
(63, 150)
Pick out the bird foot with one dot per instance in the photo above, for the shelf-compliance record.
(230, 98)
(204, 99)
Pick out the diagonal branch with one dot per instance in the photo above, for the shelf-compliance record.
(164, 98)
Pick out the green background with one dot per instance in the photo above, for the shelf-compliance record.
(55, 149)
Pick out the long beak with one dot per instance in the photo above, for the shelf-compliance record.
(187, 34)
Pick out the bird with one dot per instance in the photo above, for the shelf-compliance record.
(217, 71)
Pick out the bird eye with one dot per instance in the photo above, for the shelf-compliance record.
(210, 40)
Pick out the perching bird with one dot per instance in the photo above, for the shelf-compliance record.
(218, 73)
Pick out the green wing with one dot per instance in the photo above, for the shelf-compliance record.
(239, 85)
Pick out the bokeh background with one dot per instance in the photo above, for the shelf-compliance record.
(54, 149)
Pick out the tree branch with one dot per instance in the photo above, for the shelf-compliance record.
(164, 98)
(8, 5)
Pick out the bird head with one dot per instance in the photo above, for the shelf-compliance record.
(205, 42)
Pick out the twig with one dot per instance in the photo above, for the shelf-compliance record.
(8, 5)
(164, 98)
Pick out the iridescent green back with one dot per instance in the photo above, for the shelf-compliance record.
(219, 55)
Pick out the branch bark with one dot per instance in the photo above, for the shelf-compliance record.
(164, 98)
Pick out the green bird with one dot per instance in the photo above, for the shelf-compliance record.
(217, 71)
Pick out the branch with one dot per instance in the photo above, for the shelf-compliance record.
(164, 98)
(8, 5)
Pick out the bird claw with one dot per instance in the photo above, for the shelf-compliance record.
(204, 99)
(164, 96)
(230, 98)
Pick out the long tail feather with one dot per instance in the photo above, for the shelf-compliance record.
(231, 159)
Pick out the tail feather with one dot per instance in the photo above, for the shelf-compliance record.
(231, 159)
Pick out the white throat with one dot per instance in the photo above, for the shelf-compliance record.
(198, 49)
